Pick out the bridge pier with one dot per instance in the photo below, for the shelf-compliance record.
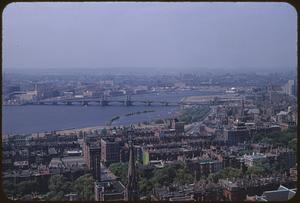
(128, 103)
(104, 103)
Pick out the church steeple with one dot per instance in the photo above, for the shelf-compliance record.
(132, 187)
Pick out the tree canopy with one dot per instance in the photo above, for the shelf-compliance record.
(286, 138)
(120, 170)
(59, 186)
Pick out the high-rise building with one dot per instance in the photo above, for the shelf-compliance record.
(110, 151)
(92, 157)
(290, 88)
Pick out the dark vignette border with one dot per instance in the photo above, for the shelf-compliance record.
(4, 3)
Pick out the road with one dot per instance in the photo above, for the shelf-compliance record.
(194, 128)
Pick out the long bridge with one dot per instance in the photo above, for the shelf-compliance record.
(129, 102)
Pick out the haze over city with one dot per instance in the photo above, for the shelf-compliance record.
(149, 101)
(138, 37)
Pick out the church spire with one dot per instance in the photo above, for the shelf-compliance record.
(132, 188)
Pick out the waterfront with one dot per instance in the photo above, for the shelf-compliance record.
(29, 119)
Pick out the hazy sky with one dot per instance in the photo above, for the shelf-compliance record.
(258, 36)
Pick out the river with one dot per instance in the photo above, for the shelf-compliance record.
(29, 119)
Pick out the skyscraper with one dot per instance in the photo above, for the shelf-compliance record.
(290, 88)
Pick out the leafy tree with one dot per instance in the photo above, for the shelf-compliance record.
(120, 170)
(59, 183)
(285, 138)
(255, 170)
(225, 173)
(58, 187)
(230, 172)
(145, 186)
(293, 144)
(26, 187)
(8, 187)
(183, 177)
(84, 187)
(55, 196)
(164, 176)
(22, 188)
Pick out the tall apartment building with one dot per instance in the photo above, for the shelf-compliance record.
(110, 151)
(92, 157)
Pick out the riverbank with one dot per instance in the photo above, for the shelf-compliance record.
(89, 129)
(64, 118)
(69, 131)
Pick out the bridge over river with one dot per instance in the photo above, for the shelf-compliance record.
(205, 100)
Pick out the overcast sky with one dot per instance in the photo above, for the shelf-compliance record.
(166, 36)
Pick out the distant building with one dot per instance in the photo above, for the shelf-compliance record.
(205, 167)
(287, 157)
(178, 126)
(68, 94)
(27, 96)
(290, 88)
(109, 191)
(13, 88)
(74, 153)
(172, 193)
(61, 165)
(110, 151)
(238, 134)
(252, 160)
(108, 188)
(71, 197)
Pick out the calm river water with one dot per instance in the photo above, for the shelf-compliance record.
(28, 119)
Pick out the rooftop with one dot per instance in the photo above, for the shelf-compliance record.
(111, 186)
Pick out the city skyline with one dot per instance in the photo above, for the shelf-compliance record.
(149, 101)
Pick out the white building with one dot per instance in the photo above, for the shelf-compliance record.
(252, 160)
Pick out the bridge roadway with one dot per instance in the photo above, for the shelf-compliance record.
(108, 102)
(129, 102)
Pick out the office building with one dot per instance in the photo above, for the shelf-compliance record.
(110, 151)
